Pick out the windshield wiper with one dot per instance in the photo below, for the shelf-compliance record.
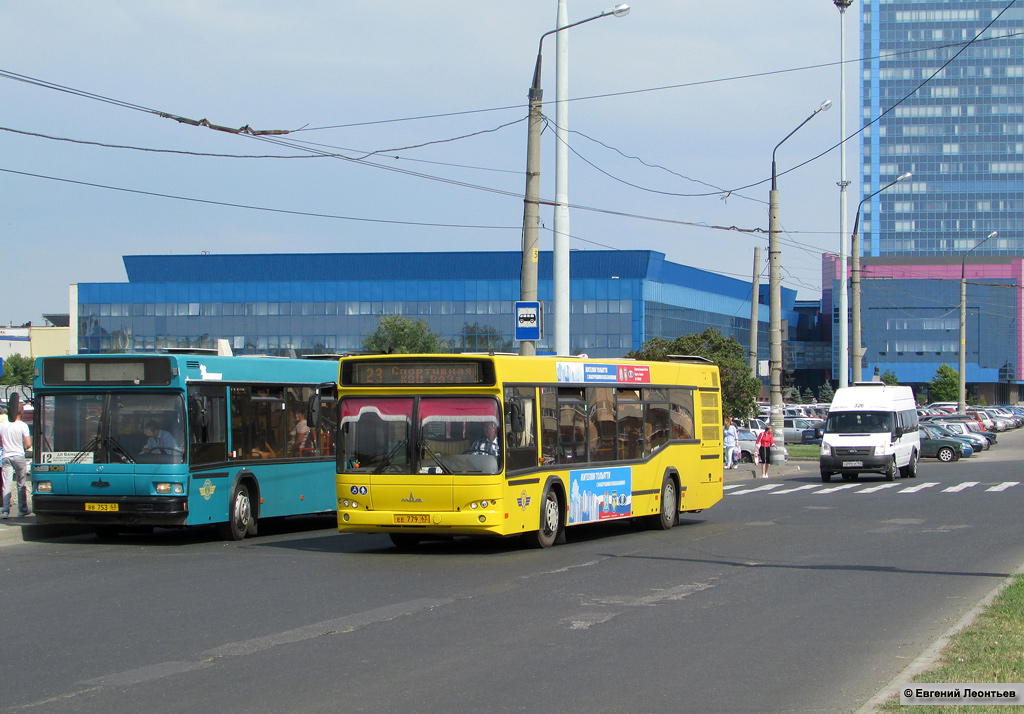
(116, 446)
(91, 446)
(425, 448)
(391, 454)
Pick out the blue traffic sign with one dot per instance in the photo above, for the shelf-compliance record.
(529, 318)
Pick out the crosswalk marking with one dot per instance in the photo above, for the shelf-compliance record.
(1003, 486)
(798, 488)
(745, 488)
(766, 487)
(879, 487)
(961, 487)
(836, 488)
(920, 487)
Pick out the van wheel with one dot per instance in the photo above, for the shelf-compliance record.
(890, 470)
(910, 470)
(826, 477)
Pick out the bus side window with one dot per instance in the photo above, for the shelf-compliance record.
(682, 413)
(208, 433)
(656, 420)
(630, 418)
(520, 446)
(549, 425)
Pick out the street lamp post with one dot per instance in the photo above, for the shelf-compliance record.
(843, 183)
(857, 347)
(531, 200)
(961, 404)
(775, 290)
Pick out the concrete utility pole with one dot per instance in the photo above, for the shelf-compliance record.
(844, 343)
(755, 289)
(961, 404)
(857, 345)
(531, 208)
(775, 289)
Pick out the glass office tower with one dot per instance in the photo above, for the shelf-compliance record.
(942, 96)
(943, 85)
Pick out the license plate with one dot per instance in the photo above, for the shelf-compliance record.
(101, 506)
(852, 464)
(414, 519)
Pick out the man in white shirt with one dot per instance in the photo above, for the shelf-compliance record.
(16, 440)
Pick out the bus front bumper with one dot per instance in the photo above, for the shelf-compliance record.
(468, 522)
(116, 510)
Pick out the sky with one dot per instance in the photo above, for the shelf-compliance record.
(407, 133)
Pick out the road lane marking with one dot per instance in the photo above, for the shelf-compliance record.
(959, 488)
(1003, 486)
(919, 487)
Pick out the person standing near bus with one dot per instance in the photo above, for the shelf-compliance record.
(730, 440)
(765, 442)
(16, 441)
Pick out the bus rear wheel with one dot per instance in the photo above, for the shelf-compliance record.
(550, 520)
(239, 514)
(666, 516)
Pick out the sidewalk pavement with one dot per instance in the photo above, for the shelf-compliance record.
(790, 467)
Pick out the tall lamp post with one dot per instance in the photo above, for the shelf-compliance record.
(857, 347)
(531, 201)
(843, 183)
(961, 403)
(774, 289)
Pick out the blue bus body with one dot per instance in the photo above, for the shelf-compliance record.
(179, 440)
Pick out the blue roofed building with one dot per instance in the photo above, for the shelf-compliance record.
(313, 303)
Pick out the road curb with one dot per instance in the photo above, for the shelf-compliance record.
(930, 656)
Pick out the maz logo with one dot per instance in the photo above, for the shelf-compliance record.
(412, 499)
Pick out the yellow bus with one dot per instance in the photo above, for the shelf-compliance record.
(501, 445)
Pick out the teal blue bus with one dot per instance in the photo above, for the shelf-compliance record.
(141, 440)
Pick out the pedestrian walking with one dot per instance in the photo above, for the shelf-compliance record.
(730, 440)
(765, 442)
(15, 441)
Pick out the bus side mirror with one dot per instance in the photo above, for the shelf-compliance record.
(198, 406)
(313, 412)
(516, 418)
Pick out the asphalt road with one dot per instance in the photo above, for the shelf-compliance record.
(795, 597)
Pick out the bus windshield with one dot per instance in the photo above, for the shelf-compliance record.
(456, 435)
(117, 427)
(859, 422)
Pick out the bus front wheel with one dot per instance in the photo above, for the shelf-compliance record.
(239, 514)
(550, 520)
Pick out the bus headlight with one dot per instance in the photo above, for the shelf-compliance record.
(166, 488)
(44, 487)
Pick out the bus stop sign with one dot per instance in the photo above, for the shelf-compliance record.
(529, 321)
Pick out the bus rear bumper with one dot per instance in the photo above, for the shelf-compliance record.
(130, 510)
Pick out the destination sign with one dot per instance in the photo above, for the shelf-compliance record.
(416, 373)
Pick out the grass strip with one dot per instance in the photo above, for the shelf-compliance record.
(990, 650)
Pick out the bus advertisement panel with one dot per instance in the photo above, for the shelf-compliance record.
(504, 445)
(125, 441)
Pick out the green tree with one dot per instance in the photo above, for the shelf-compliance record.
(482, 338)
(826, 392)
(402, 335)
(808, 396)
(945, 385)
(18, 370)
(739, 387)
(889, 377)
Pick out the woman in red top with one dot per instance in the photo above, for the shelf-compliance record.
(765, 442)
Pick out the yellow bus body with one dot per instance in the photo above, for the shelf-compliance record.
(423, 505)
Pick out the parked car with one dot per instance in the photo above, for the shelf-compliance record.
(959, 428)
(754, 425)
(814, 434)
(943, 449)
(793, 428)
(936, 432)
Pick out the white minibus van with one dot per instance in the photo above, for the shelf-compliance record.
(871, 428)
